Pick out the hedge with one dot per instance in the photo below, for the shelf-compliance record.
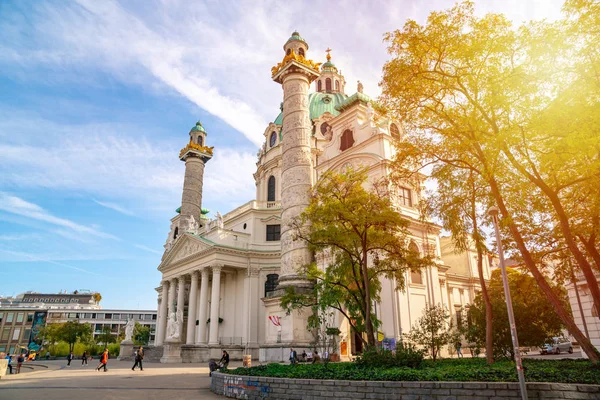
(462, 370)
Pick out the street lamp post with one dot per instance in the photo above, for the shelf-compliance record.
(493, 212)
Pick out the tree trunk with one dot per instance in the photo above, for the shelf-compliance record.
(565, 227)
(368, 322)
(563, 314)
(592, 250)
(489, 337)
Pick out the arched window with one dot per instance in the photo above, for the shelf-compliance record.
(288, 52)
(271, 189)
(337, 85)
(347, 140)
(200, 140)
(175, 233)
(319, 86)
(301, 51)
(394, 131)
(328, 85)
(415, 277)
(271, 283)
(273, 139)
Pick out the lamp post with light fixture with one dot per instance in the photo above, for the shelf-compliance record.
(493, 212)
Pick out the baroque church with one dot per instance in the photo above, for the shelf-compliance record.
(222, 278)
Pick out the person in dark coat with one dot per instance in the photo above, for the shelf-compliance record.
(70, 358)
(139, 356)
(224, 361)
(84, 358)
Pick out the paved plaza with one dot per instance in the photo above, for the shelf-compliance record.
(157, 381)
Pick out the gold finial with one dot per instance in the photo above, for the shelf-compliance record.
(328, 55)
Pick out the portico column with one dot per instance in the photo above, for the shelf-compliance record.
(201, 337)
(171, 297)
(180, 303)
(162, 315)
(214, 305)
(191, 326)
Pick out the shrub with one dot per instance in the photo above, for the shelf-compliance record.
(404, 356)
(114, 349)
(458, 370)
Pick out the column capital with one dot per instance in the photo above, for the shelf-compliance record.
(194, 274)
(204, 272)
(253, 271)
(173, 280)
(216, 268)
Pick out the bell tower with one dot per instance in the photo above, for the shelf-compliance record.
(195, 155)
(331, 80)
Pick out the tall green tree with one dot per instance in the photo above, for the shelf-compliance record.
(360, 238)
(106, 337)
(73, 331)
(432, 330)
(537, 322)
(474, 94)
(141, 334)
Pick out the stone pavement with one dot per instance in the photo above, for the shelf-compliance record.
(157, 381)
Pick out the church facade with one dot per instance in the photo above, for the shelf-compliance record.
(222, 278)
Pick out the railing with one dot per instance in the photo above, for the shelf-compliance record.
(252, 204)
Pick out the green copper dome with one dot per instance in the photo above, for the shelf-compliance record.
(319, 103)
(198, 128)
(204, 211)
(295, 36)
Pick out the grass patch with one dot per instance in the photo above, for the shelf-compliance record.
(463, 370)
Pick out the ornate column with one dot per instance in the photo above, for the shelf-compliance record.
(214, 305)
(191, 325)
(201, 334)
(295, 73)
(180, 305)
(162, 315)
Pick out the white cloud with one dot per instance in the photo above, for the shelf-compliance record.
(113, 206)
(15, 205)
(34, 257)
(146, 248)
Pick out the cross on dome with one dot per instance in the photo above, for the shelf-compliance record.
(328, 55)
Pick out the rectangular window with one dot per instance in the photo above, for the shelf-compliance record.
(416, 277)
(116, 316)
(273, 233)
(12, 350)
(26, 334)
(5, 334)
(30, 317)
(2, 349)
(99, 316)
(88, 315)
(404, 195)
(1, 316)
(20, 317)
(16, 334)
(72, 315)
(9, 317)
(107, 316)
(154, 317)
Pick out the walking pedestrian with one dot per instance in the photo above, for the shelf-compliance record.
(139, 356)
(9, 358)
(70, 358)
(84, 358)
(20, 360)
(457, 346)
(103, 360)
(224, 361)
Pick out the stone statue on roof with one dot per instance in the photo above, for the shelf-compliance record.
(359, 87)
(220, 220)
(192, 225)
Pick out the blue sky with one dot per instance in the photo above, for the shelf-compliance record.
(97, 98)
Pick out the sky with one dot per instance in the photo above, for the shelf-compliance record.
(97, 98)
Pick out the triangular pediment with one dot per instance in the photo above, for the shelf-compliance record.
(185, 247)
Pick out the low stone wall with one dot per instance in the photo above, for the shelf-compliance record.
(253, 387)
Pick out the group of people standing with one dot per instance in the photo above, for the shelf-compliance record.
(20, 361)
(139, 356)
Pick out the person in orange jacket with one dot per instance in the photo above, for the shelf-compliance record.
(103, 360)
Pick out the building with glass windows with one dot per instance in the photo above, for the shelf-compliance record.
(23, 315)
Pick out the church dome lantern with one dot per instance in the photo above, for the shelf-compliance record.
(198, 134)
(296, 44)
(331, 80)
